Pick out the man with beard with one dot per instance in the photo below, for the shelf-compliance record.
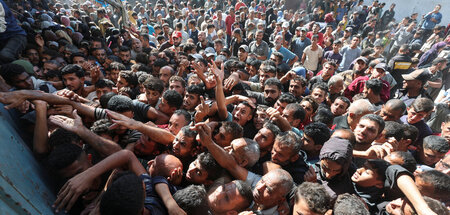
(271, 92)
(259, 48)
(299, 44)
(73, 78)
(288, 57)
(358, 71)
(173, 44)
(413, 86)
(136, 47)
(203, 43)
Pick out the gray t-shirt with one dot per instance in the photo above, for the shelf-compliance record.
(348, 56)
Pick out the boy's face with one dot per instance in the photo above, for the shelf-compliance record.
(152, 96)
(415, 117)
(366, 176)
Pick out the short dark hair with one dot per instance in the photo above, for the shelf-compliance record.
(409, 162)
(422, 105)
(187, 115)
(287, 98)
(315, 196)
(440, 181)
(117, 66)
(312, 101)
(73, 68)
(318, 131)
(320, 85)
(102, 83)
(173, 98)
(375, 85)
(273, 128)
(211, 166)
(119, 103)
(155, 84)
(325, 116)
(104, 99)
(63, 156)
(393, 129)
(10, 71)
(125, 196)
(193, 200)
(61, 136)
(130, 77)
(377, 119)
(435, 143)
(234, 129)
(245, 190)
(195, 89)
(273, 82)
(299, 112)
(348, 204)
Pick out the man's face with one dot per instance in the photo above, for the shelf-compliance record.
(226, 198)
(330, 168)
(259, 36)
(223, 138)
(242, 114)
(268, 191)
(318, 95)
(191, 101)
(73, 82)
(102, 91)
(242, 54)
(176, 41)
(23, 82)
(201, 37)
(445, 131)
(125, 57)
(259, 119)
(183, 145)
(414, 116)
(366, 176)
(78, 166)
(308, 109)
(121, 82)
(360, 66)
(164, 75)
(271, 94)
(278, 41)
(429, 156)
(196, 173)
(165, 108)
(265, 139)
(412, 84)
(100, 54)
(281, 154)
(33, 56)
(366, 131)
(328, 71)
(136, 45)
(177, 86)
(114, 74)
(77, 60)
(49, 66)
(339, 107)
(176, 122)
(145, 146)
(296, 88)
(303, 34)
(355, 42)
(390, 115)
(280, 106)
(288, 114)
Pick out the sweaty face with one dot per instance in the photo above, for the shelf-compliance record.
(177, 86)
(318, 95)
(152, 96)
(259, 119)
(164, 75)
(73, 82)
(339, 107)
(226, 198)
(366, 131)
(430, 157)
(268, 191)
(176, 122)
(182, 145)
(223, 138)
(144, 146)
(164, 107)
(308, 109)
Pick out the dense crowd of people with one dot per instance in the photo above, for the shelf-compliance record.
(231, 107)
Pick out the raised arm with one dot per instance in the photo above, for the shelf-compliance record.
(157, 134)
(40, 138)
(100, 144)
(81, 183)
(222, 157)
(220, 96)
(409, 188)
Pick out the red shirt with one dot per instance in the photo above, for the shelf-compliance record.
(357, 86)
(229, 22)
(320, 41)
(239, 5)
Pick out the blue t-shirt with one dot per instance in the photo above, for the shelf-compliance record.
(287, 55)
(152, 200)
(298, 46)
(428, 24)
(333, 57)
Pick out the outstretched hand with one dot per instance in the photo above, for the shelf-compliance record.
(67, 123)
(121, 120)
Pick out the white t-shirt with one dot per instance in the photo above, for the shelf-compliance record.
(312, 57)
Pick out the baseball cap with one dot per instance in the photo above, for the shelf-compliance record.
(245, 47)
(363, 59)
(210, 52)
(381, 66)
(349, 29)
(419, 74)
(195, 56)
(285, 25)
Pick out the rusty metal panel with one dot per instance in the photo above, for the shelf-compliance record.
(24, 187)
